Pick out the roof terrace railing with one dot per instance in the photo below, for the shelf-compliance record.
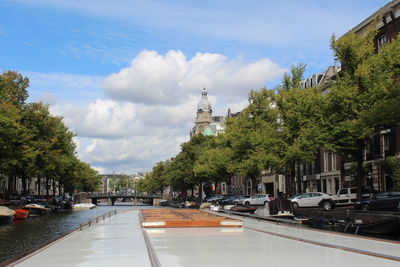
(97, 219)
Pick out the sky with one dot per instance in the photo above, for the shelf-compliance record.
(127, 75)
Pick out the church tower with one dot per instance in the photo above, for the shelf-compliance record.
(204, 114)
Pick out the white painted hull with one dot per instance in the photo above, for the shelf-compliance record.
(83, 206)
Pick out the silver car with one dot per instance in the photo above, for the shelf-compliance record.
(239, 199)
(257, 200)
(308, 199)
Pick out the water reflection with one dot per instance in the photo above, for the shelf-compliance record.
(22, 236)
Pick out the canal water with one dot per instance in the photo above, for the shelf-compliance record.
(23, 236)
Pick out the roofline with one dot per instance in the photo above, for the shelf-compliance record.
(376, 14)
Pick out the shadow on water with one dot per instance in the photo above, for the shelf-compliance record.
(25, 235)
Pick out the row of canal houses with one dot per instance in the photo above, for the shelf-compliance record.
(13, 185)
(329, 171)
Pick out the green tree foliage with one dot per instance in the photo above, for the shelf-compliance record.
(213, 162)
(364, 98)
(156, 180)
(13, 88)
(301, 118)
(35, 144)
(121, 182)
(180, 172)
(291, 124)
(391, 165)
(253, 136)
(86, 178)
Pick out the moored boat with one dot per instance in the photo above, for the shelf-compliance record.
(35, 209)
(281, 208)
(6, 215)
(190, 204)
(21, 214)
(228, 207)
(381, 227)
(164, 202)
(215, 208)
(83, 206)
(250, 209)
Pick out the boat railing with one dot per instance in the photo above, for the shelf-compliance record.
(97, 219)
(260, 217)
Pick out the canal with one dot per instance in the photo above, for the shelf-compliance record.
(23, 236)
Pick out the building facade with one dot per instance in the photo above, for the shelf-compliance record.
(205, 122)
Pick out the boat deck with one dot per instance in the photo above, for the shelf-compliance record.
(120, 240)
(168, 218)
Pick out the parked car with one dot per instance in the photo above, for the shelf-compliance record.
(214, 199)
(227, 200)
(383, 201)
(239, 199)
(15, 200)
(207, 198)
(344, 197)
(35, 199)
(295, 195)
(257, 200)
(308, 199)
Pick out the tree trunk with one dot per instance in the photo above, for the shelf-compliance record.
(200, 191)
(59, 190)
(39, 185)
(47, 187)
(290, 180)
(360, 176)
(23, 179)
(10, 184)
(54, 187)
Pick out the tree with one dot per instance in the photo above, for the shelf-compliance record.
(180, 171)
(391, 165)
(358, 101)
(252, 138)
(212, 164)
(13, 88)
(302, 123)
(13, 134)
(86, 178)
(34, 143)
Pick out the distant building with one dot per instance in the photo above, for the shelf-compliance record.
(133, 179)
(205, 122)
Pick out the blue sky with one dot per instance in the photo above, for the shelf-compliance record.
(95, 60)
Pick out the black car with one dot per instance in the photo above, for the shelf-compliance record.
(213, 199)
(227, 200)
(382, 201)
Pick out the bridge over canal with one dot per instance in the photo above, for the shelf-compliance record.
(111, 198)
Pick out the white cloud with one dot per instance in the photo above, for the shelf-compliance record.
(154, 106)
(172, 79)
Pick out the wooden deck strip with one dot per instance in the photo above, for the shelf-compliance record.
(164, 218)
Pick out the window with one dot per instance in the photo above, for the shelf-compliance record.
(353, 190)
(343, 192)
(333, 162)
(381, 41)
(325, 161)
(383, 195)
(386, 141)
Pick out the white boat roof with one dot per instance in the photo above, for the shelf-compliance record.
(119, 241)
